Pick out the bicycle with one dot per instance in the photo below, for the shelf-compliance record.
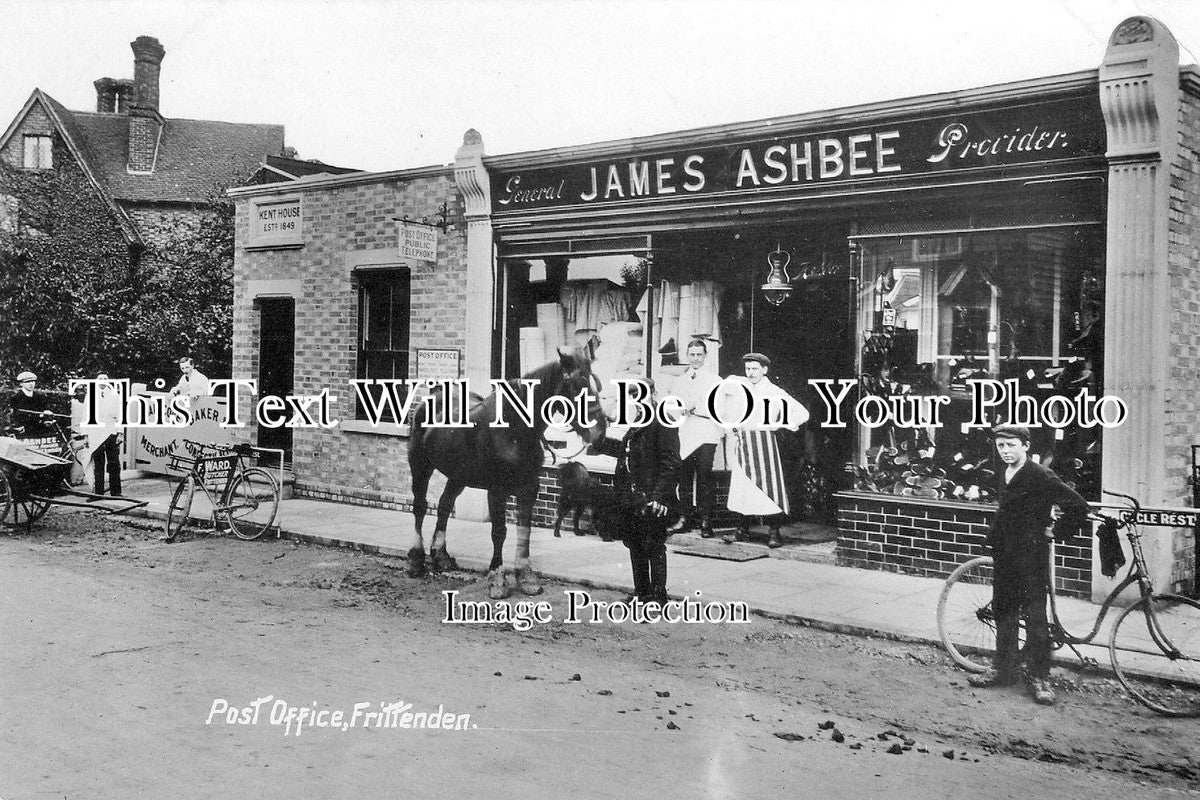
(1158, 663)
(249, 495)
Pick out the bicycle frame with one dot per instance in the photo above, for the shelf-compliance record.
(1137, 575)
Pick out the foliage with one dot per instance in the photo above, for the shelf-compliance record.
(74, 299)
(64, 288)
(185, 305)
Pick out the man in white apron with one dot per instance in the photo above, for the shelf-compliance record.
(698, 439)
(756, 408)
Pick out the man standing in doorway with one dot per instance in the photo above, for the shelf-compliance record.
(698, 439)
(757, 408)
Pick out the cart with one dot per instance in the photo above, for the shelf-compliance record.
(35, 473)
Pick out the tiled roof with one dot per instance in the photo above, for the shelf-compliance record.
(196, 158)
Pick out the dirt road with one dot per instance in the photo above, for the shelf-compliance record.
(122, 658)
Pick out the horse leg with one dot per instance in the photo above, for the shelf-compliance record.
(421, 473)
(527, 580)
(497, 588)
(578, 514)
(439, 558)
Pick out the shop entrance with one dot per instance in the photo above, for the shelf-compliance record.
(639, 310)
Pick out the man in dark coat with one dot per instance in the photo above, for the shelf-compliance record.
(644, 481)
(1019, 541)
(30, 409)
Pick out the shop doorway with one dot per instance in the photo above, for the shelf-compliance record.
(276, 363)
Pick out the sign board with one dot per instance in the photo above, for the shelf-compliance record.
(152, 448)
(1164, 519)
(419, 242)
(818, 154)
(276, 222)
(437, 365)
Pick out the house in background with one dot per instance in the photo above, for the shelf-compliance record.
(107, 192)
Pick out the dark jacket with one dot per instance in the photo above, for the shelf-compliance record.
(649, 463)
(1017, 536)
(647, 470)
(1025, 507)
(19, 402)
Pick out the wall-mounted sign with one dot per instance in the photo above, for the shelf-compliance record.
(418, 241)
(1061, 129)
(1163, 518)
(276, 222)
(437, 365)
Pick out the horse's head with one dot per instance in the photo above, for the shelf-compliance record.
(572, 378)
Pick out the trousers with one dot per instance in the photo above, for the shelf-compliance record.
(107, 458)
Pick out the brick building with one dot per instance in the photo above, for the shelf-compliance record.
(144, 174)
(1041, 231)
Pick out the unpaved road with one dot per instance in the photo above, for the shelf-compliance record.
(115, 647)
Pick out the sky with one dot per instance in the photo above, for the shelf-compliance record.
(393, 84)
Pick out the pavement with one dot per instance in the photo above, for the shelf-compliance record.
(796, 584)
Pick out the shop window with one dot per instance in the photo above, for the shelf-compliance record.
(383, 318)
(938, 311)
(38, 152)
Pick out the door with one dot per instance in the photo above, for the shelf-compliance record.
(276, 361)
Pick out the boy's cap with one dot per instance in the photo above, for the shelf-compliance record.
(1011, 432)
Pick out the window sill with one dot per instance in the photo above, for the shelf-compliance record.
(383, 429)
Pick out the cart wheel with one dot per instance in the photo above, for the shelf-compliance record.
(27, 511)
(5, 498)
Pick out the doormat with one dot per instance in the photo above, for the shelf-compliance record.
(706, 548)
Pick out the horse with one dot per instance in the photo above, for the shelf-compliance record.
(506, 461)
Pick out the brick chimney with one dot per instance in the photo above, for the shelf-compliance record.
(113, 95)
(106, 95)
(145, 121)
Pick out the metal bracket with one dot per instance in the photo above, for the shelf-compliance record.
(442, 223)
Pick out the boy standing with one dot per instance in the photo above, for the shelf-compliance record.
(1019, 541)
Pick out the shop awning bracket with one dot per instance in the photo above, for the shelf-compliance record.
(442, 223)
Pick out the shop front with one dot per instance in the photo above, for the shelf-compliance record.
(889, 252)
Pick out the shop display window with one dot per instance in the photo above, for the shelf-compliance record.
(937, 311)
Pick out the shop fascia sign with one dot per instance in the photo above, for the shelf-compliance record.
(998, 137)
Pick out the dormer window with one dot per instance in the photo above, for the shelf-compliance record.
(38, 151)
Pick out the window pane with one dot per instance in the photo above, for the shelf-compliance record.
(937, 311)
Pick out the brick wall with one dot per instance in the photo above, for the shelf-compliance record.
(896, 534)
(36, 122)
(340, 221)
(1183, 388)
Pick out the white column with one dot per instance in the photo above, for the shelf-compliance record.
(1139, 94)
(472, 179)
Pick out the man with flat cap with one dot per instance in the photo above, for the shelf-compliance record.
(1030, 498)
(27, 406)
(756, 408)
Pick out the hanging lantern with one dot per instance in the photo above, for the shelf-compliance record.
(779, 284)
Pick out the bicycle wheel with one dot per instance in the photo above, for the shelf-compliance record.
(181, 505)
(1155, 651)
(251, 503)
(965, 620)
